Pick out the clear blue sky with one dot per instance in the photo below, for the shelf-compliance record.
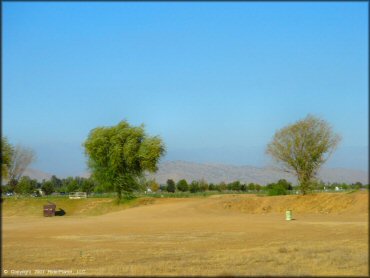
(214, 80)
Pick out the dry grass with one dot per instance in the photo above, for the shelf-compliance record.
(194, 237)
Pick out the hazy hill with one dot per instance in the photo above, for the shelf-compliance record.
(177, 170)
(36, 174)
(215, 173)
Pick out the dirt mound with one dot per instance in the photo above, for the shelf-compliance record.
(317, 203)
(323, 203)
(82, 207)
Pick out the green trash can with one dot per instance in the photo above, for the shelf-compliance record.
(288, 215)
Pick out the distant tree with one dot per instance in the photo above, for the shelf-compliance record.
(320, 185)
(243, 187)
(276, 189)
(203, 185)
(194, 187)
(153, 185)
(302, 147)
(6, 189)
(171, 186)
(222, 186)
(88, 185)
(357, 185)
(163, 187)
(235, 186)
(47, 187)
(118, 155)
(251, 187)
(26, 185)
(229, 186)
(182, 185)
(71, 185)
(285, 184)
(22, 157)
(57, 183)
(257, 187)
(332, 186)
(212, 187)
(7, 151)
(344, 186)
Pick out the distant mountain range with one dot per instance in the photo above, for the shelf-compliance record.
(216, 173)
(36, 174)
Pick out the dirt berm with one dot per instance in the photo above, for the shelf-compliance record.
(356, 202)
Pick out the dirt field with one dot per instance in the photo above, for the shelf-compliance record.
(218, 235)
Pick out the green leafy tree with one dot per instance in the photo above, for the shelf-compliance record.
(194, 187)
(229, 186)
(303, 147)
(357, 185)
(345, 186)
(212, 187)
(6, 189)
(285, 184)
(222, 186)
(57, 183)
(99, 189)
(276, 189)
(171, 186)
(26, 185)
(71, 185)
(236, 186)
(163, 187)
(119, 155)
(320, 185)
(88, 185)
(47, 187)
(251, 187)
(182, 185)
(7, 151)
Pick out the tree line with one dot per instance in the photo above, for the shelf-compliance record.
(281, 187)
(28, 186)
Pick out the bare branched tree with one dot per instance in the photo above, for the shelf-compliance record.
(22, 157)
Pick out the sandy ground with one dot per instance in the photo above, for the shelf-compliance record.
(221, 235)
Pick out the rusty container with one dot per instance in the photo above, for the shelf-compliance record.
(49, 209)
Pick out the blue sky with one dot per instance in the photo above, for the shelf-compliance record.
(214, 80)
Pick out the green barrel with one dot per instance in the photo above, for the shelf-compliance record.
(288, 215)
